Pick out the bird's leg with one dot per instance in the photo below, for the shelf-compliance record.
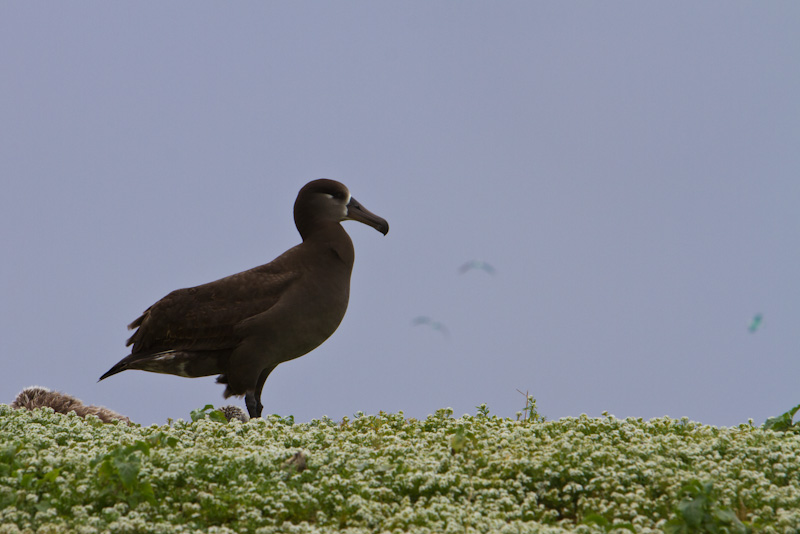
(254, 406)
(260, 386)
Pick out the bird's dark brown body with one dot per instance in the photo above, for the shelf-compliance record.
(242, 326)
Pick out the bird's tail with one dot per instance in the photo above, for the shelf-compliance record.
(223, 379)
(118, 368)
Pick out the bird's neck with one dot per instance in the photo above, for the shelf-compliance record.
(333, 237)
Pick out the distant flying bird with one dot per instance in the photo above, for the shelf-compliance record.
(436, 325)
(242, 326)
(756, 322)
(474, 264)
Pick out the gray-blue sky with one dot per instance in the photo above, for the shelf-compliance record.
(631, 170)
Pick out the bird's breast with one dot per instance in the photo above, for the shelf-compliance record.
(305, 316)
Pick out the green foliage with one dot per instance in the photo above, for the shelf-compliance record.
(599, 521)
(118, 471)
(288, 420)
(698, 512)
(783, 422)
(388, 473)
(12, 465)
(9, 462)
(530, 412)
(460, 438)
(209, 412)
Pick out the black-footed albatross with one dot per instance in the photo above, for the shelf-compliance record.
(242, 326)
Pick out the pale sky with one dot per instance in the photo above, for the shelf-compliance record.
(631, 170)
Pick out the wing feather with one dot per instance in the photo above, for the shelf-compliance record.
(205, 317)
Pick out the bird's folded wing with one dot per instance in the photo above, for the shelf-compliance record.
(205, 317)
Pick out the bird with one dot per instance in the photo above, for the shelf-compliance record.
(232, 412)
(436, 325)
(755, 323)
(242, 326)
(475, 264)
(34, 397)
(296, 462)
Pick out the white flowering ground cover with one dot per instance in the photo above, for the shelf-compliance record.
(386, 473)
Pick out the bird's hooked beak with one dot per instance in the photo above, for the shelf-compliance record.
(357, 212)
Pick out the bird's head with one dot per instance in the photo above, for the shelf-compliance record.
(325, 200)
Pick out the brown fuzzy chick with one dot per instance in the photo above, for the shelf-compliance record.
(34, 397)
